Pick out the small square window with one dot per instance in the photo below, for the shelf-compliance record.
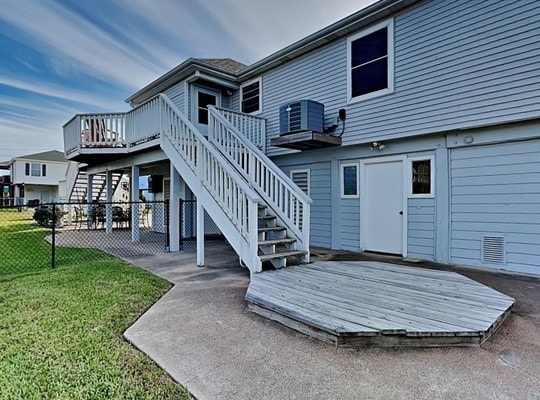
(349, 180)
(422, 177)
(251, 97)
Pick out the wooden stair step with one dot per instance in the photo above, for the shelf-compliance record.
(276, 241)
(271, 228)
(266, 257)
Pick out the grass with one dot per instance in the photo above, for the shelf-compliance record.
(61, 329)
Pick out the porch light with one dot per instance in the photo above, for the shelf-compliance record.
(377, 146)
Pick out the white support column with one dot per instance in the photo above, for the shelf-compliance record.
(200, 232)
(174, 210)
(108, 207)
(89, 188)
(135, 216)
(89, 197)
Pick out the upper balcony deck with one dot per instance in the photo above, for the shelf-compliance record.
(94, 138)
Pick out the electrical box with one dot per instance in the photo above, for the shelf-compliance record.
(301, 115)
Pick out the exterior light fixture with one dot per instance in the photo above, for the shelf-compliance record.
(377, 146)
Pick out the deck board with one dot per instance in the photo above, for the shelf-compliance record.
(384, 302)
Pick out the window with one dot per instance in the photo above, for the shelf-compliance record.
(370, 62)
(250, 97)
(43, 169)
(421, 177)
(35, 169)
(27, 169)
(349, 180)
(302, 179)
(203, 101)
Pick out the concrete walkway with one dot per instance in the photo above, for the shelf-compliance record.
(201, 334)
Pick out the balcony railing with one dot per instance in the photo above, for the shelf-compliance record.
(94, 131)
(138, 126)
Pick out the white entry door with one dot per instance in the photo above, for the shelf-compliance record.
(203, 97)
(382, 211)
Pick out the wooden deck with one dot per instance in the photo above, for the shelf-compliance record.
(359, 303)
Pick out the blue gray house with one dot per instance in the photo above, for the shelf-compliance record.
(409, 128)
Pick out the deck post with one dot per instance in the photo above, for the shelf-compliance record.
(135, 217)
(174, 210)
(200, 233)
(108, 206)
(89, 199)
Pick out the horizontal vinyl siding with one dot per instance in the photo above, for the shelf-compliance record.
(176, 94)
(458, 64)
(321, 210)
(496, 191)
(350, 224)
(421, 228)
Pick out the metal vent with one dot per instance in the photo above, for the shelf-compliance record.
(302, 115)
(494, 249)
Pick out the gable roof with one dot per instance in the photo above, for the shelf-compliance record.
(225, 64)
(223, 68)
(52, 155)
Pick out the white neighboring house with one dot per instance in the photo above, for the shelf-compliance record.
(39, 176)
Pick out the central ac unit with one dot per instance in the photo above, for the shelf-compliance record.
(301, 115)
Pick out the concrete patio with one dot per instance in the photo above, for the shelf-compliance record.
(203, 335)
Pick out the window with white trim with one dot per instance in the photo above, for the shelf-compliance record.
(301, 177)
(35, 169)
(250, 97)
(349, 180)
(370, 62)
(421, 176)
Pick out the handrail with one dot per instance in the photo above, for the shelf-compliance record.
(283, 196)
(250, 126)
(233, 195)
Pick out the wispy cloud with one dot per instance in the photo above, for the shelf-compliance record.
(61, 57)
(69, 35)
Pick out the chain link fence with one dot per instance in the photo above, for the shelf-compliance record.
(61, 233)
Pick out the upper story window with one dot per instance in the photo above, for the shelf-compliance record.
(35, 169)
(250, 97)
(371, 62)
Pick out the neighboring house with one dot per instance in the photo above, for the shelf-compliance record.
(36, 177)
(422, 125)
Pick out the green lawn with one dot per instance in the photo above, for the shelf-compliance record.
(61, 329)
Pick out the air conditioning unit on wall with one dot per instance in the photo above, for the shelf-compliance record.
(301, 115)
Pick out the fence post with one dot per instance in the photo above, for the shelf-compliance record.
(168, 230)
(181, 227)
(53, 244)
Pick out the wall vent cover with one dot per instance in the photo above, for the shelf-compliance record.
(494, 249)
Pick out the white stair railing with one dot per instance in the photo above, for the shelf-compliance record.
(216, 178)
(252, 127)
(290, 204)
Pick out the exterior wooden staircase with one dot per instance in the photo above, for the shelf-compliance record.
(99, 184)
(261, 212)
(275, 246)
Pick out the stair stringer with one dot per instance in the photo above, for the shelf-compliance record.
(239, 243)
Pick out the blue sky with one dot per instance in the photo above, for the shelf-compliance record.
(62, 57)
